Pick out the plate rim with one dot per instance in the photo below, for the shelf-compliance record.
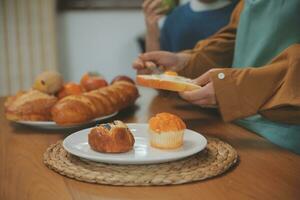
(42, 124)
(139, 161)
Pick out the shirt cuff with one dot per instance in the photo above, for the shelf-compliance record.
(226, 94)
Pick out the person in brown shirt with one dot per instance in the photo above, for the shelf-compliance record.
(250, 68)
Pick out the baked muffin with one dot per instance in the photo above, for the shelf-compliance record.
(166, 131)
(112, 137)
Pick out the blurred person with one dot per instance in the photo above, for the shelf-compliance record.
(250, 70)
(186, 24)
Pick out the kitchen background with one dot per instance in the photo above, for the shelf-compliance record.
(71, 36)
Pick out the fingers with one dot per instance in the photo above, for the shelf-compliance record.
(203, 79)
(203, 96)
(146, 67)
(194, 95)
(162, 9)
(204, 102)
(150, 65)
(146, 4)
(151, 56)
(155, 59)
(138, 64)
(152, 13)
(153, 5)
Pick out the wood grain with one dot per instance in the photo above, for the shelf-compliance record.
(265, 171)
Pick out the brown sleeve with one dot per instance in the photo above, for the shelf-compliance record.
(272, 90)
(215, 51)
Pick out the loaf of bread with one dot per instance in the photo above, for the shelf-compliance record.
(29, 106)
(167, 82)
(76, 109)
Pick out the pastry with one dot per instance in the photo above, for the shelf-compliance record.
(30, 106)
(167, 81)
(9, 100)
(84, 107)
(166, 131)
(112, 137)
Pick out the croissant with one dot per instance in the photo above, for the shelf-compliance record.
(82, 108)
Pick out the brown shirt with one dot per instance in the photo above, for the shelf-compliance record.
(272, 90)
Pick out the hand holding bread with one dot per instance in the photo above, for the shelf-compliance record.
(147, 63)
(206, 97)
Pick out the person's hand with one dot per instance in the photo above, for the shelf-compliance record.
(147, 63)
(152, 12)
(204, 96)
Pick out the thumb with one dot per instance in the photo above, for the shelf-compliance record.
(203, 79)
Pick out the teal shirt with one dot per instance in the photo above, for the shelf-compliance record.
(265, 29)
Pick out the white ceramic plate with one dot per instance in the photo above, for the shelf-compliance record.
(50, 125)
(142, 153)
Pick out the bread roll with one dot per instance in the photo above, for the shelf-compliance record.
(111, 138)
(29, 106)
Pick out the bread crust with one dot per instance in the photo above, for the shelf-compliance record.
(115, 140)
(29, 106)
(77, 109)
(73, 110)
(70, 110)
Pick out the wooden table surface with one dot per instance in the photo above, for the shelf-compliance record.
(264, 171)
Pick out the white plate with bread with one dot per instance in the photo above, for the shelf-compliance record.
(52, 103)
(142, 152)
(51, 125)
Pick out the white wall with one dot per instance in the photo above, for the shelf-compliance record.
(98, 40)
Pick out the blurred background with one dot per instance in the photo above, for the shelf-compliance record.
(71, 36)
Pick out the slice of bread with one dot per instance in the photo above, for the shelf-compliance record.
(166, 82)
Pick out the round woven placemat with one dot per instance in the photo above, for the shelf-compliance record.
(214, 160)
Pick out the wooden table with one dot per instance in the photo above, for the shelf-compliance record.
(264, 171)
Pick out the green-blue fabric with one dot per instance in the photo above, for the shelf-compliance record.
(265, 29)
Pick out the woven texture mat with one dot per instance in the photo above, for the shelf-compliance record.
(214, 160)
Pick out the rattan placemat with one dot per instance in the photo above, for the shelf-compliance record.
(214, 160)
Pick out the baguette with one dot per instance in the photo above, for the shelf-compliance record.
(76, 109)
(167, 82)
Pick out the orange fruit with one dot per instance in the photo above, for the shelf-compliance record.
(70, 88)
